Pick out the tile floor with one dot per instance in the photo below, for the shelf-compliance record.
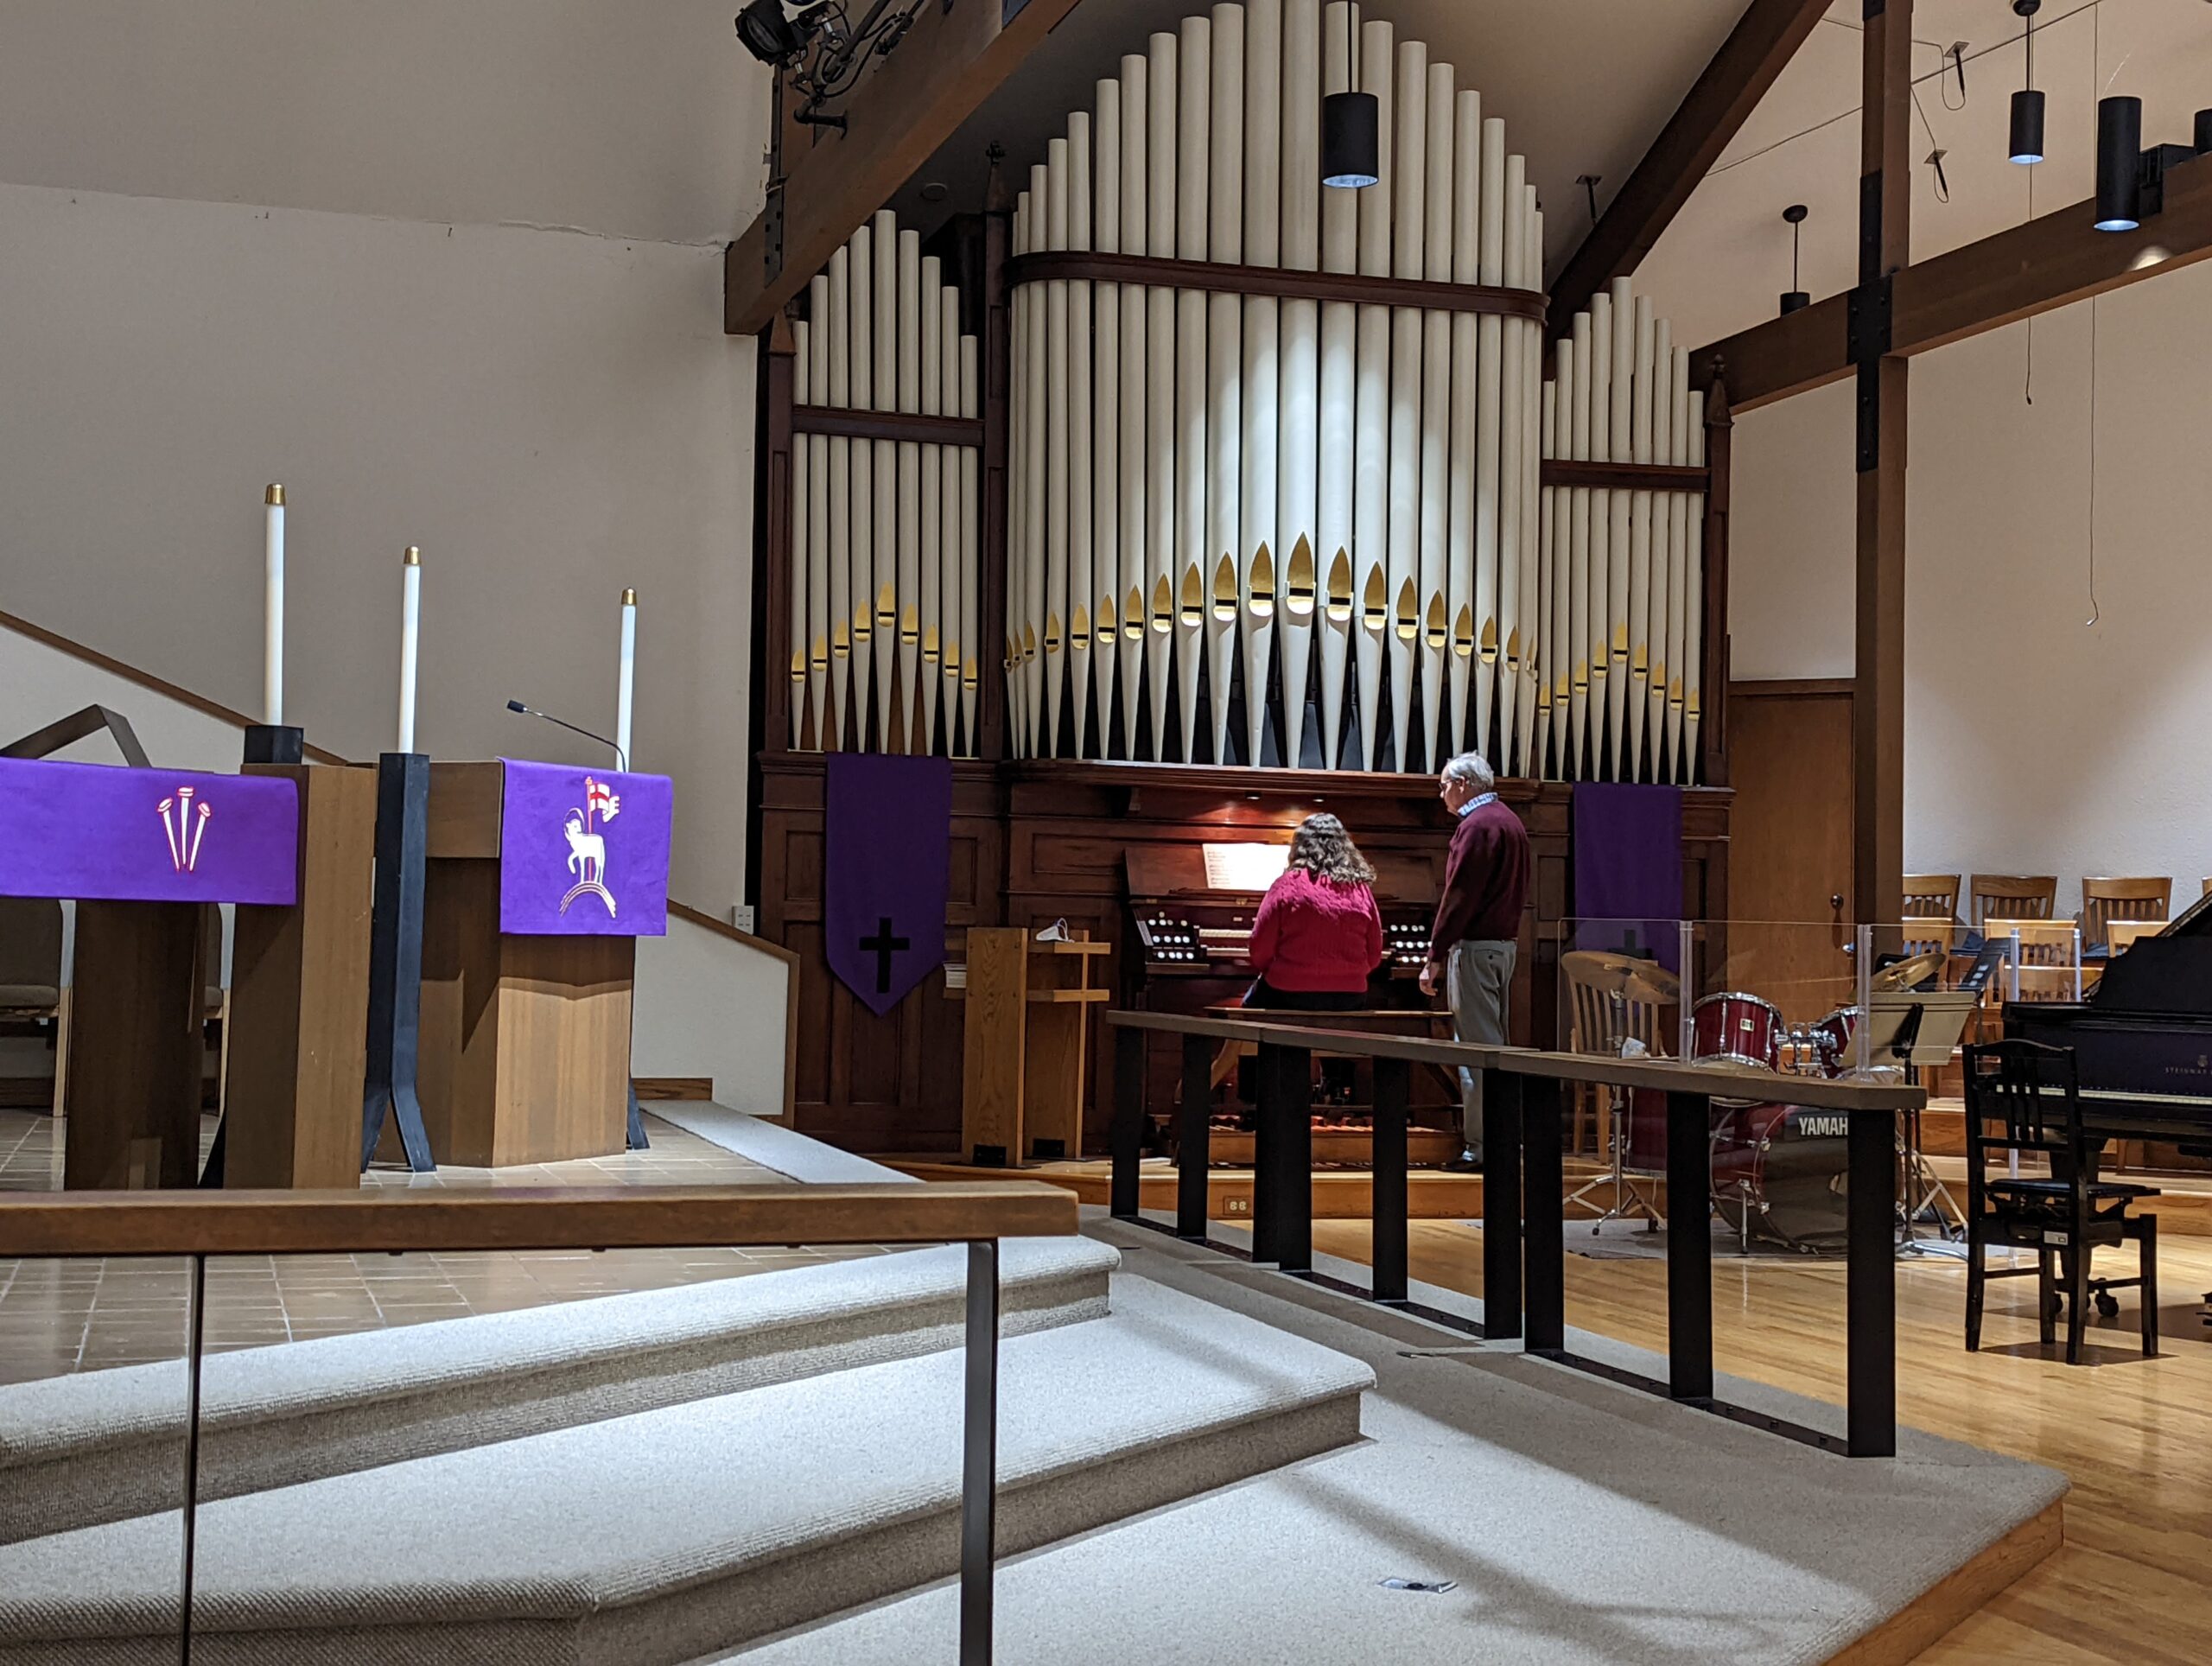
(60, 1316)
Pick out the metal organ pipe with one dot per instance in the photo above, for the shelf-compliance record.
(1337, 579)
(1224, 557)
(1297, 546)
(1258, 547)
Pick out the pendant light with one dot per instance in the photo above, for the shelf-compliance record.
(2027, 104)
(1352, 128)
(2204, 132)
(1796, 300)
(2119, 153)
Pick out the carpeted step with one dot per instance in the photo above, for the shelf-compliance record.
(660, 1536)
(103, 1446)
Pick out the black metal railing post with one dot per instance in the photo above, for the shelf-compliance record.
(1392, 1080)
(1870, 1288)
(1544, 1226)
(980, 1454)
(1126, 1140)
(1502, 1228)
(1193, 1136)
(195, 1346)
(1282, 1179)
(1689, 1246)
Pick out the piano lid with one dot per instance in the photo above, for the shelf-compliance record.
(2171, 973)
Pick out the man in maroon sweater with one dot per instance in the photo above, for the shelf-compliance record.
(1475, 940)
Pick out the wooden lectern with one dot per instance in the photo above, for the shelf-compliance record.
(525, 1039)
(1027, 1016)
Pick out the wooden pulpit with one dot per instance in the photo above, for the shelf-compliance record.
(1027, 1025)
(526, 1034)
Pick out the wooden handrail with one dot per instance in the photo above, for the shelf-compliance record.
(249, 1222)
(1665, 1076)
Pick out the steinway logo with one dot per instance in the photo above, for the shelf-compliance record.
(2196, 1072)
(1811, 1125)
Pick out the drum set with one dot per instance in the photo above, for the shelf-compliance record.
(1780, 1171)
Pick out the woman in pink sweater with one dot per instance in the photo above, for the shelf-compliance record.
(1318, 934)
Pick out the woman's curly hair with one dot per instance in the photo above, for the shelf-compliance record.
(1324, 849)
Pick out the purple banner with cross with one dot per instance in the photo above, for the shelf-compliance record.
(1628, 868)
(888, 856)
(102, 832)
(584, 852)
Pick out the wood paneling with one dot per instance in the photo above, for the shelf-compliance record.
(464, 815)
(1790, 852)
(135, 1046)
(1046, 839)
(994, 1041)
(298, 1048)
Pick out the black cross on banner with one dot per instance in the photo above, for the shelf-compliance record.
(883, 945)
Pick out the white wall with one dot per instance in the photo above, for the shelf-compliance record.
(711, 1005)
(246, 241)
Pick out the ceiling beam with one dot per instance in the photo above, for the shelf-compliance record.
(2047, 262)
(1764, 39)
(911, 103)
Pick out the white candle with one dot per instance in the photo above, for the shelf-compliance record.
(625, 687)
(272, 626)
(410, 626)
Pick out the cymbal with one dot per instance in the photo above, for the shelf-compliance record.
(1907, 973)
(1654, 985)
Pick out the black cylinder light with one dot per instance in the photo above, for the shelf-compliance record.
(2204, 132)
(1795, 299)
(1351, 140)
(2120, 152)
(2027, 127)
(2027, 104)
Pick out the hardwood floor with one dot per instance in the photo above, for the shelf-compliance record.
(2133, 1580)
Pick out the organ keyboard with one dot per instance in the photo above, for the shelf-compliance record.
(1189, 926)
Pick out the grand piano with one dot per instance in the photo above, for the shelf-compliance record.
(2142, 1039)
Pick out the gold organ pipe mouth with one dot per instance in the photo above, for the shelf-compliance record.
(928, 644)
(1163, 605)
(1513, 648)
(1690, 705)
(1051, 633)
(1409, 612)
(1640, 661)
(967, 673)
(1339, 606)
(1490, 642)
(1675, 693)
(1102, 623)
(1224, 592)
(887, 608)
(798, 664)
(1620, 641)
(1463, 632)
(840, 643)
(1438, 634)
(910, 626)
(819, 660)
(1193, 613)
(1659, 679)
(1299, 597)
(1133, 616)
(1028, 643)
(1374, 604)
(1079, 628)
(1262, 583)
(863, 622)
(952, 660)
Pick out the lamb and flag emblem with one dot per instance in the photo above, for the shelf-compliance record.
(587, 848)
(582, 853)
(888, 828)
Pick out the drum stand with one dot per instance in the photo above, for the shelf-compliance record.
(1628, 1194)
(1924, 1194)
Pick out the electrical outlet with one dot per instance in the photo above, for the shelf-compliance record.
(1236, 1205)
(741, 916)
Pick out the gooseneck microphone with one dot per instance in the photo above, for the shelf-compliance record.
(621, 760)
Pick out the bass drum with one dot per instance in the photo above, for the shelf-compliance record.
(1780, 1175)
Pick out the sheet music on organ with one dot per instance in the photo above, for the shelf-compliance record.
(1245, 867)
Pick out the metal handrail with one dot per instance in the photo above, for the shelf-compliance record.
(1524, 1267)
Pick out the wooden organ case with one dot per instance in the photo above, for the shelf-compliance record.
(984, 530)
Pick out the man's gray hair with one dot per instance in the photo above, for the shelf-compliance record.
(1473, 769)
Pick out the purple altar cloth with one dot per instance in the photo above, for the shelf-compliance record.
(584, 852)
(103, 832)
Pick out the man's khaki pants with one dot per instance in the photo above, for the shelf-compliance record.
(1481, 988)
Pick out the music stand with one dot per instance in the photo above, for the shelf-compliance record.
(1919, 1027)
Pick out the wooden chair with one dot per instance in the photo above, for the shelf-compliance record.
(1935, 895)
(2120, 934)
(31, 989)
(2012, 896)
(2104, 900)
(1612, 1000)
(2030, 1094)
(1928, 934)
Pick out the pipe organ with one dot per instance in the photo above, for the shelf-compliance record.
(1289, 475)
(885, 541)
(1288, 458)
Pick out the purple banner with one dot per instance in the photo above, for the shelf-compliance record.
(1628, 868)
(582, 852)
(889, 833)
(103, 832)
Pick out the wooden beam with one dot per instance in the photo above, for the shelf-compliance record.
(911, 103)
(1764, 39)
(1884, 248)
(2049, 262)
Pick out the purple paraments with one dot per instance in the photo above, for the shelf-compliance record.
(888, 855)
(103, 832)
(582, 852)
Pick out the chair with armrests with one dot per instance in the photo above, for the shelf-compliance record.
(2024, 1097)
(2105, 901)
(2011, 896)
(1927, 934)
(31, 989)
(1931, 896)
